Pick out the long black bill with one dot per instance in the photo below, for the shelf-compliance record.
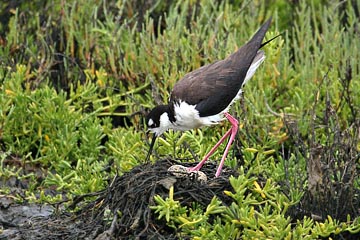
(151, 148)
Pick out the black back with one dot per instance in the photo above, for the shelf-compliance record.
(212, 87)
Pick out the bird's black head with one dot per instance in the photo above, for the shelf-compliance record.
(158, 121)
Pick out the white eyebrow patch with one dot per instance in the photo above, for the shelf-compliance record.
(151, 122)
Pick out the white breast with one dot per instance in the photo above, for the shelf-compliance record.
(187, 117)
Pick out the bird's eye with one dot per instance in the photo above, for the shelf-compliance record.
(151, 123)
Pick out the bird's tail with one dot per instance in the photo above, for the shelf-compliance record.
(258, 37)
(246, 54)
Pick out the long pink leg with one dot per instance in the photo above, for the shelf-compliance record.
(234, 128)
(231, 131)
(200, 164)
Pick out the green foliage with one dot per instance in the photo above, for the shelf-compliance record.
(168, 207)
(257, 212)
(68, 70)
(123, 147)
(47, 128)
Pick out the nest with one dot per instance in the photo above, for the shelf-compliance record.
(121, 211)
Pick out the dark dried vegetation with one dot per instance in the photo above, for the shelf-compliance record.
(330, 149)
(130, 195)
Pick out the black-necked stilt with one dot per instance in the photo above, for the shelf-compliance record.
(203, 96)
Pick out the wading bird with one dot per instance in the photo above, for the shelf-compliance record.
(204, 96)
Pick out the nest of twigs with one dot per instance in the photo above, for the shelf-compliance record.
(131, 195)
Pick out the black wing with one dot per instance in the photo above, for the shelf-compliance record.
(212, 87)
